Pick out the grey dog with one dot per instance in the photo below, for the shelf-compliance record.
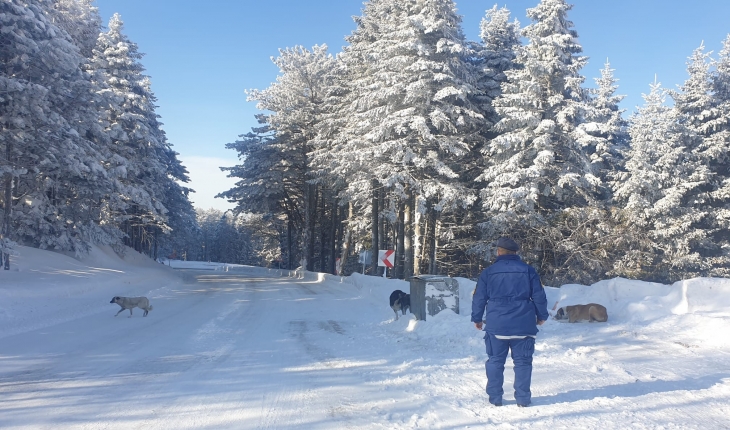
(132, 302)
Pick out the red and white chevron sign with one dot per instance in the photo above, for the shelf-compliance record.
(386, 257)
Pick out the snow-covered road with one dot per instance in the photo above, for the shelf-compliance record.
(247, 350)
(223, 350)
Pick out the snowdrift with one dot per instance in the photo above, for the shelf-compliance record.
(628, 300)
(43, 288)
(631, 300)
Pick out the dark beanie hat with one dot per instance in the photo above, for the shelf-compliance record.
(507, 243)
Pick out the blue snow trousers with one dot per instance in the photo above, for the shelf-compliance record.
(522, 351)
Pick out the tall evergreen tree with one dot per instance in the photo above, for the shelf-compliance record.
(138, 155)
(491, 57)
(662, 190)
(536, 169)
(695, 102)
(46, 160)
(500, 40)
(83, 199)
(411, 121)
(268, 185)
(603, 134)
(701, 113)
(62, 117)
(181, 216)
(411, 118)
(718, 152)
(296, 105)
(536, 165)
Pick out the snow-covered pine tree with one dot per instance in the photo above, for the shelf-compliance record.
(603, 134)
(264, 185)
(718, 151)
(243, 238)
(410, 118)
(721, 86)
(496, 53)
(326, 169)
(83, 199)
(81, 20)
(181, 216)
(663, 191)
(295, 101)
(700, 112)
(138, 155)
(490, 58)
(261, 240)
(208, 219)
(54, 168)
(268, 185)
(536, 169)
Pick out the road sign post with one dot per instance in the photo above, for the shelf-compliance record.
(364, 259)
(386, 258)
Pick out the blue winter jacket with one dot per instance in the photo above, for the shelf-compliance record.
(513, 296)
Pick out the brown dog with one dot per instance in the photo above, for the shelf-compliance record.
(590, 312)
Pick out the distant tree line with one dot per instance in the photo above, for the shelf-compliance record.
(417, 140)
(83, 157)
(248, 238)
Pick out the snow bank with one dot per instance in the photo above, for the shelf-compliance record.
(629, 300)
(377, 286)
(44, 288)
(691, 312)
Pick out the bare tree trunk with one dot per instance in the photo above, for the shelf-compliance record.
(289, 245)
(399, 254)
(347, 235)
(309, 223)
(431, 235)
(333, 236)
(8, 205)
(383, 222)
(417, 238)
(408, 235)
(384, 230)
(322, 234)
(375, 223)
(155, 250)
(205, 245)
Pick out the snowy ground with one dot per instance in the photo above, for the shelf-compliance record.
(249, 348)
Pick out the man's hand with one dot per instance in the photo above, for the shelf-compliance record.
(478, 325)
(540, 322)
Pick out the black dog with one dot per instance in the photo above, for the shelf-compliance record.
(400, 301)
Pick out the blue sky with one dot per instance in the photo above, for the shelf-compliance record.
(202, 56)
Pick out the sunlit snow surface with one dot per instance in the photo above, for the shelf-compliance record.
(250, 348)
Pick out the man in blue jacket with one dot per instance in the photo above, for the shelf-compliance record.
(515, 302)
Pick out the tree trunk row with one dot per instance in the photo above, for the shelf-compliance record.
(413, 237)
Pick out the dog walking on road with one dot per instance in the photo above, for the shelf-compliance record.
(131, 303)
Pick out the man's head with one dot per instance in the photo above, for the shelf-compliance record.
(506, 246)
